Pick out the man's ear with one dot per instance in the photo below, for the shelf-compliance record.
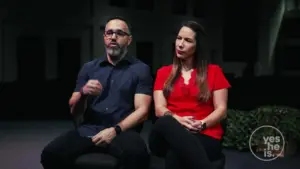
(129, 40)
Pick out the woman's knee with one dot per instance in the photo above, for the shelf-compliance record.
(164, 121)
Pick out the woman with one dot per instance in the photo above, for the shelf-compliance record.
(190, 99)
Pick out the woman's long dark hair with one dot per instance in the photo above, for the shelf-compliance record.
(201, 61)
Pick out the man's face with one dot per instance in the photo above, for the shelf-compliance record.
(116, 38)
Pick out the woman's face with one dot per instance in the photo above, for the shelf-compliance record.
(185, 43)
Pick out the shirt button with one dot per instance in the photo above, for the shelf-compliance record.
(112, 81)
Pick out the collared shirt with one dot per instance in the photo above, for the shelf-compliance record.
(120, 83)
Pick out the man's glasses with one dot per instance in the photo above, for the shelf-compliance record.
(119, 33)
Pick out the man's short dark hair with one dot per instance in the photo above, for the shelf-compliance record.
(120, 18)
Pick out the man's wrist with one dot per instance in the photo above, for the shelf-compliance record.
(118, 129)
(82, 92)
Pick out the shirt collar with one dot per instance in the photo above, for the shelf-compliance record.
(126, 59)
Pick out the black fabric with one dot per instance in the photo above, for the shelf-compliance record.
(96, 161)
(128, 148)
(104, 161)
(159, 163)
(170, 140)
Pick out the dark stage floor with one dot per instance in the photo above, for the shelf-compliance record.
(21, 144)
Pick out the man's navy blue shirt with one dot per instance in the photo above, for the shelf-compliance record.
(120, 83)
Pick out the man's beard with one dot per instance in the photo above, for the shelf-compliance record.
(115, 52)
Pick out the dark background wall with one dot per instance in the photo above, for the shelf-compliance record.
(43, 44)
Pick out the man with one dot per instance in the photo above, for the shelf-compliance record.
(115, 93)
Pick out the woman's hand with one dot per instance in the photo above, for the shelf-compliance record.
(198, 124)
(188, 122)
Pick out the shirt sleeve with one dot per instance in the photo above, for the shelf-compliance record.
(220, 81)
(145, 82)
(82, 78)
(160, 79)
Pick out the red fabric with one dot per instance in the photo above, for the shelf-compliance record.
(183, 100)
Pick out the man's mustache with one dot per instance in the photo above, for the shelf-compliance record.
(114, 43)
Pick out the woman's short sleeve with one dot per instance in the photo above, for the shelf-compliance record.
(161, 77)
(220, 81)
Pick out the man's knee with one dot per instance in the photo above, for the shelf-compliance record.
(55, 150)
(134, 144)
(54, 158)
(134, 151)
(48, 155)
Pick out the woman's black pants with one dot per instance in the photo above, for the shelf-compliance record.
(181, 148)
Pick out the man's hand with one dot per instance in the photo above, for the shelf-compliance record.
(104, 137)
(187, 122)
(92, 87)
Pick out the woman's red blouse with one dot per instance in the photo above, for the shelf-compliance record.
(183, 100)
